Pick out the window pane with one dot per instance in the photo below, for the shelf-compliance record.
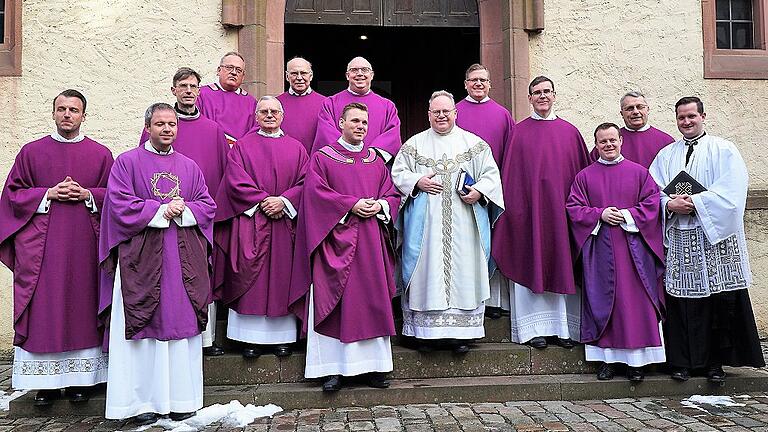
(741, 10)
(742, 36)
(723, 9)
(723, 35)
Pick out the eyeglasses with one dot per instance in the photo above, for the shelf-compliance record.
(631, 108)
(361, 70)
(187, 86)
(267, 112)
(444, 112)
(303, 74)
(477, 80)
(230, 68)
(545, 93)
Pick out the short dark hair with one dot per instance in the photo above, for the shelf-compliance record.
(184, 73)
(688, 100)
(538, 80)
(476, 67)
(71, 93)
(606, 126)
(351, 106)
(159, 106)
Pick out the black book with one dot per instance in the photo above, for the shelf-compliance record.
(684, 184)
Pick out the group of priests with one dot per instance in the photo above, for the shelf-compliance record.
(305, 216)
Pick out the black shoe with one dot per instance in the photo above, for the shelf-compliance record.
(538, 342)
(78, 394)
(145, 419)
(424, 346)
(213, 351)
(251, 352)
(376, 380)
(332, 384)
(181, 416)
(635, 374)
(283, 351)
(681, 374)
(460, 348)
(605, 372)
(46, 397)
(565, 343)
(493, 312)
(716, 374)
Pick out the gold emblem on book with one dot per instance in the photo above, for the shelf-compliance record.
(684, 188)
(175, 189)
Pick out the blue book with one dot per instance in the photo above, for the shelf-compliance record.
(462, 181)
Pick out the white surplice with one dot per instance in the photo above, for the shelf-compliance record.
(545, 314)
(84, 367)
(635, 357)
(261, 330)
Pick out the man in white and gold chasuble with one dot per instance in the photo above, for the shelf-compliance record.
(452, 197)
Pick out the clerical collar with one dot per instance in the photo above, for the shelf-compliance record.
(277, 134)
(238, 91)
(355, 148)
(293, 93)
(483, 100)
(551, 116)
(642, 129)
(694, 141)
(358, 94)
(611, 162)
(148, 146)
(446, 133)
(56, 136)
(185, 115)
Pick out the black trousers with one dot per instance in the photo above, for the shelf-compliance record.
(719, 329)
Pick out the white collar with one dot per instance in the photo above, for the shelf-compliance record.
(148, 147)
(642, 129)
(358, 94)
(276, 134)
(612, 162)
(186, 116)
(238, 91)
(551, 116)
(56, 136)
(356, 148)
(293, 93)
(470, 99)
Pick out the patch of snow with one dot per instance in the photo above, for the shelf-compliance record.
(713, 400)
(5, 400)
(233, 414)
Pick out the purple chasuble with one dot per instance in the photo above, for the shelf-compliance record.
(623, 294)
(531, 244)
(300, 119)
(641, 147)
(165, 281)
(383, 123)
(258, 250)
(490, 121)
(53, 256)
(232, 110)
(350, 264)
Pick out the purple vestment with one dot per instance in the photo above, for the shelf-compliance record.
(350, 264)
(300, 117)
(53, 256)
(623, 295)
(490, 121)
(258, 250)
(232, 110)
(383, 123)
(641, 147)
(531, 244)
(165, 283)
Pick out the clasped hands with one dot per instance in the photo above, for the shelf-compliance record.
(612, 216)
(680, 204)
(68, 190)
(175, 208)
(273, 207)
(432, 187)
(366, 207)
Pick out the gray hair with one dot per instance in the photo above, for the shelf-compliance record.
(634, 94)
(268, 98)
(439, 93)
(231, 53)
(159, 106)
(298, 58)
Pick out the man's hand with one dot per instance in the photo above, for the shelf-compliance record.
(175, 208)
(472, 196)
(680, 204)
(428, 185)
(273, 207)
(66, 190)
(612, 216)
(366, 207)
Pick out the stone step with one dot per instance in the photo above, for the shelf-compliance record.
(440, 390)
(487, 359)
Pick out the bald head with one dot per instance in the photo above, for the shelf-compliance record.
(298, 73)
(359, 75)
